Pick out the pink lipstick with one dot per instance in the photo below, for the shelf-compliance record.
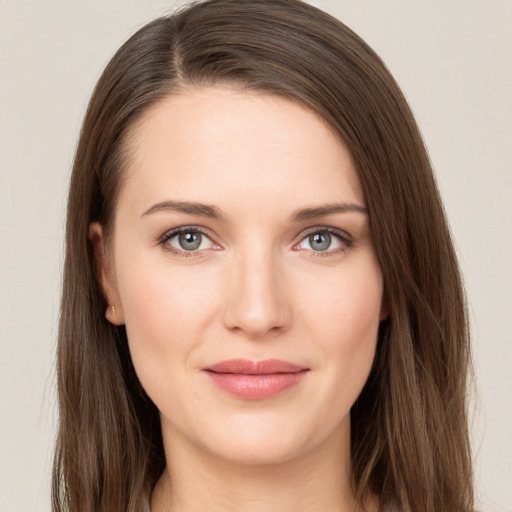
(255, 380)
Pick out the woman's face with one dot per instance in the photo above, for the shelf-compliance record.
(241, 234)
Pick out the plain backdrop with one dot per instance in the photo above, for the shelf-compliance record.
(452, 58)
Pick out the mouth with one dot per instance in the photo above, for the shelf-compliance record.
(255, 380)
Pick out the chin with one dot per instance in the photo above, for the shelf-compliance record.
(256, 442)
(256, 453)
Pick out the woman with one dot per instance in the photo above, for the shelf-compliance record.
(262, 309)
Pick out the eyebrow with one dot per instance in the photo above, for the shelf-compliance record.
(212, 212)
(203, 210)
(326, 209)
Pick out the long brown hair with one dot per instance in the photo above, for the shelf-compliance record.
(409, 438)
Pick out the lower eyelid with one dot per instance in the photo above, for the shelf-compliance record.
(183, 253)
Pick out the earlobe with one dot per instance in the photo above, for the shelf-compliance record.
(105, 274)
(113, 316)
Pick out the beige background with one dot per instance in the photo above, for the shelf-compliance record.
(453, 59)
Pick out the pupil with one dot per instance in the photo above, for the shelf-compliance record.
(189, 240)
(320, 241)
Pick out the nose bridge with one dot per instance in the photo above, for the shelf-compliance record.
(256, 300)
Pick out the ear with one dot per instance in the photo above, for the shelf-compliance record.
(104, 272)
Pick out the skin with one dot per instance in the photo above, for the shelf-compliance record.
(256, 289)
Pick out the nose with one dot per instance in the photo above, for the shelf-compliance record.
(257, 303)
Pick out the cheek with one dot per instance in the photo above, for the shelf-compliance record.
(344, 320)
(165, 309)
(357, 307)
(346, 305)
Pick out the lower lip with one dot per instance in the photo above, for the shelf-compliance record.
(256, 387)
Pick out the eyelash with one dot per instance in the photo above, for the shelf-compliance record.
(185, 229)
(342, 237)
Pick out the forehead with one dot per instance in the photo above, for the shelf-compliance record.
(239, 149)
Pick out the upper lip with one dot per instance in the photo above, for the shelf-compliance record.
(243, 366)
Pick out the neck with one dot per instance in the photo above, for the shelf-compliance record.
(196, 480)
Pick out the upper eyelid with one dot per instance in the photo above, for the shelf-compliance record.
(328, 229)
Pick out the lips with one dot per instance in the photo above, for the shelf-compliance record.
(255, 380)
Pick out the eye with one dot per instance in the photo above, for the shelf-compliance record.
(186, 240)
(325, 240)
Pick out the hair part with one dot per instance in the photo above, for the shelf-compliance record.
(409, 437)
